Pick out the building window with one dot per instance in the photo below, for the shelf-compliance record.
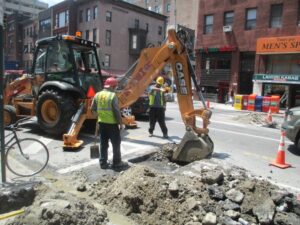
(156, 9)
(108, 16)
(45, 25)
(146, 3)
(136, 24)
(147, 27)
(62, 19)
(95, 35)
(168, 7)
(80, 16)
(228, 18)
(107, 60)
(88, 15)
(134, 41)
(95, 14)
(87, 34)
(250, 19)
(160, 30)
(208, 24)
(108, 38)
(276, 15)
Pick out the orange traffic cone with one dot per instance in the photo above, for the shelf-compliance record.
(269, 117)
(208, 104)
(280, 159)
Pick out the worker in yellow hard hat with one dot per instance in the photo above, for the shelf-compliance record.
(157, 105)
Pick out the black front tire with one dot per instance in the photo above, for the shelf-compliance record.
(54, 111)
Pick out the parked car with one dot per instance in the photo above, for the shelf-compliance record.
(141, 106)
(291, 125)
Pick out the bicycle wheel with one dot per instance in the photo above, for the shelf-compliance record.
(31, 159)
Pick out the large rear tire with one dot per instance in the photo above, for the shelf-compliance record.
(10, 115)
(54, 111)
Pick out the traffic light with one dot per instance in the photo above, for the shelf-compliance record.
(4, 21)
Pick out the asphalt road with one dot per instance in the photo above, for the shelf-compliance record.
(249, 146)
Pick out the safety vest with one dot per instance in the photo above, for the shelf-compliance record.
(104, 107)
(152, 98)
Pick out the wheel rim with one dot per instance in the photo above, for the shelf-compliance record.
(7, 118)
(49, 111)
(127, 111)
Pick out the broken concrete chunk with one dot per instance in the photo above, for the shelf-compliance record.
(264, 211)
(192, 203)
(81, 187)
(56, 204)
(232, 214)
(228, 221)
(173, 187)
(210, 219)
(215, 193)
(213, 177)
(235, 195)
(229, 205)
(286, 219)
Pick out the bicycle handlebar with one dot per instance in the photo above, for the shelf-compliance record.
(15, 125)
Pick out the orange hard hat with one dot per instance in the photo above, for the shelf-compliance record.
(110, 82)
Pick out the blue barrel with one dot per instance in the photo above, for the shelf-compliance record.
(258, 103)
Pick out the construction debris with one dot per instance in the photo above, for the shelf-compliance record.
(207, 192)
(257, 118)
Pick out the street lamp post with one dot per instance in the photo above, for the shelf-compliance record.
(3, 172)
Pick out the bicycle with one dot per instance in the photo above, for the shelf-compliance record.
(24, 157)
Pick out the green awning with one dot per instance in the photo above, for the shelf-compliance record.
(277, 78)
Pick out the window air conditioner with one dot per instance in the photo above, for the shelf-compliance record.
(227, 28)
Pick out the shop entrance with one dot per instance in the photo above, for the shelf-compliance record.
(295, 95)
(289, 94)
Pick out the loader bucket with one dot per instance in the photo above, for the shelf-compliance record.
(192, 148)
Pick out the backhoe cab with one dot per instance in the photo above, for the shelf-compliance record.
(64, 77)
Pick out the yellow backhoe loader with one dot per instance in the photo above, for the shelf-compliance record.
(62, 93)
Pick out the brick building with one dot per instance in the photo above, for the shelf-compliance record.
(30, 35)
(227, 60)
(64, 17)
(13, 41)
(121, 29)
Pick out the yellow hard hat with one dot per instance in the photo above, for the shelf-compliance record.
(160, 80)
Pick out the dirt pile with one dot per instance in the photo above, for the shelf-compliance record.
(217, 195)
(258, 119)
(207, 192)
(52, 207)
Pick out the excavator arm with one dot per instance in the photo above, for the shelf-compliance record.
(196, 143)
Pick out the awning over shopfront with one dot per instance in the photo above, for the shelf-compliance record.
(278, 45)
(276, 78)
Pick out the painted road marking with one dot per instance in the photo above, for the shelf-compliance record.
(243, 134)
(258, 156)
(35, 147)
(96, 161)
(250, 135)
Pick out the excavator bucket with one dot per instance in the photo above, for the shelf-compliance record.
(193, 147)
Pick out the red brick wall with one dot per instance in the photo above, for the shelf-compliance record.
(245, 39)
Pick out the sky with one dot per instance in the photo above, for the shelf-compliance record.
(51, 2)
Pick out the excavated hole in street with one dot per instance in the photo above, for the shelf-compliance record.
(157, 191)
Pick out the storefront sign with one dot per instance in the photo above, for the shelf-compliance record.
(289, 44)
(277, 78)
(226, 48)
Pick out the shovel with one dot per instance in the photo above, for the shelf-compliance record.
(94, 149)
